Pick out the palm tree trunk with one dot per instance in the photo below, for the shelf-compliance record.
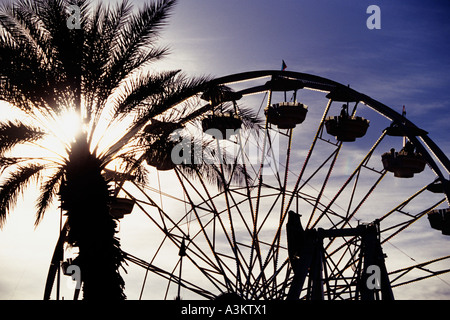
(85, 197)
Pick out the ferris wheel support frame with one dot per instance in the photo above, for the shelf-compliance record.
(307, 256)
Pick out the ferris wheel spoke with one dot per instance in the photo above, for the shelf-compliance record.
(405, 224)
(240, 257)
(255, 251)
(198, 253)
(327, 177)
(274, 246)
(398, 274)
(392, 229)
(342, 269)
(355, 173)
(270, 287)
(283, 188)
(308, 157)
(170, 276)
(334, 156)
(351, 214)
(260, 172)
(163, 216)
(272, 255)
(216, 216)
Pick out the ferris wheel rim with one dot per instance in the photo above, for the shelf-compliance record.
(323, 84)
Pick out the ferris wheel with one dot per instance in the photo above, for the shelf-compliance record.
(327, 197)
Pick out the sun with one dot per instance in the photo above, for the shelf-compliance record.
(62, 131)
(70, 125)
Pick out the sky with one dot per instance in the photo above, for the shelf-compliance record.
(405, 62)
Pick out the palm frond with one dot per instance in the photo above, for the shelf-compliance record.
(228, 167)
(249, 117)
(8, 162)
(101, 32)
(114, 20)
(27, 59)
(67, 44)
(177, 89)
(224, 101)
(139, 91)
(16, 18)
(200, 158)
(139, 33)
(14, 133)
(131, 42)
(48, 191)
(133, 169)
(24, 77)
(15, 185)
(220, 176)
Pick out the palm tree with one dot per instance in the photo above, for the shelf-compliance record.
(99, 73)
